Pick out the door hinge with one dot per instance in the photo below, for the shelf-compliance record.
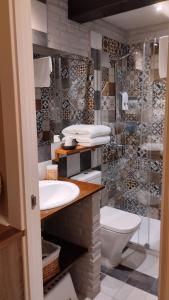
(33, 201)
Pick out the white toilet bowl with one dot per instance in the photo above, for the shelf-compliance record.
(117, 228)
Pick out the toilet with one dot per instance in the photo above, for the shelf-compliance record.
(92, 176)
(117, 226)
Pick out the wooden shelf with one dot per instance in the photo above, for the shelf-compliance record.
(86, 189)
(8, 234)
(69, 254)
(61, 152)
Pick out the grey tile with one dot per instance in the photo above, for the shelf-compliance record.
(44, 153)
(108, 116)
(154, 289)
(96, 56)
(97, 117)
(73, 164)
(85, 161)
(39, 38)
(63, 167)
(97, 99)
(105, 60)
(141, 281)
(120, 272)
(66, 83)
(38, 93)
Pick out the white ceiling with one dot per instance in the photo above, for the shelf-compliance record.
(142, 17)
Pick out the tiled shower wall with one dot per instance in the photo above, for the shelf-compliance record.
(68, 100)
(132, 175)
(84, 91)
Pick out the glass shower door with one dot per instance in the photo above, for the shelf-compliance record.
(151, 144)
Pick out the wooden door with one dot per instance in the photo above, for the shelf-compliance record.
(18, 128)
(164, 251)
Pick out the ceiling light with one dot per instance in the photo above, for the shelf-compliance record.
(159, 8)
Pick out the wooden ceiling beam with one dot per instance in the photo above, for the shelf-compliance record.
(88, 10)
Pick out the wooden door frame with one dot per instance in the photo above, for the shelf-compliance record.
(164, 249)
(20, 147)
(17, 102)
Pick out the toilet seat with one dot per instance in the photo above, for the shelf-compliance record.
(118, 221)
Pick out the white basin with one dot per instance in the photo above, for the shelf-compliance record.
(54, 193)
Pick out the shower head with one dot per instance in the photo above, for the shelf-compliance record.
(156, 42)
(121, 58)
(124, 56)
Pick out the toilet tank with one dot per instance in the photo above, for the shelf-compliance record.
(89, 176)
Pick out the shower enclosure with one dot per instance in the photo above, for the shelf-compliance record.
(132, 162)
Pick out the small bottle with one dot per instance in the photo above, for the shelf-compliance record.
(52, 172)
(55, 145)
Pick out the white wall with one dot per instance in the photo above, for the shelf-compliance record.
(139, 35)
(72, 37)
(39, 16)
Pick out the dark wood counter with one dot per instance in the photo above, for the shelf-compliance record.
(86, 189)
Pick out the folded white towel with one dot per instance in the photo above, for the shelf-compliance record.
(42, 71)
(163, 56)
(82, 138)
(91, 131)
(102, 140)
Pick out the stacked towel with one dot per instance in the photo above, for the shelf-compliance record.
(42, 71)
(163, 56)
(88, 135)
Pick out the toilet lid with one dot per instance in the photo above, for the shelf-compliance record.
(118, 220)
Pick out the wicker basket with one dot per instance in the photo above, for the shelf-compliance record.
(50, 256)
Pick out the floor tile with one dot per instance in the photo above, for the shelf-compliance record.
(102, 276)
(154, 289)
(150, 266)
(141, 281)
(111, 286)
(130, 293)
(133, 259)
(120, 272)
(151, 226)
(102, 296)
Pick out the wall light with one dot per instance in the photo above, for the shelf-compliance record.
(159, 8)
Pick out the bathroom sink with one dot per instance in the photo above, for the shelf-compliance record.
(55, 193)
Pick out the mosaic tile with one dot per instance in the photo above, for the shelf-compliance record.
(38, 105)
(39, 119)
(105, 76)
(105, 60)
(142, 123)
(45, 92)
(126, 169)
(133, 81)
(90, 104)
(44, 104)
(108, 103)
(158, 128)
(108, 116)
(65, 72)
(111, 77)
(109, 89)
(156, 166)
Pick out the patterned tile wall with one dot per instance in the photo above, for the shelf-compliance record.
(68, 100)
(78, 92)
(132, 175)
